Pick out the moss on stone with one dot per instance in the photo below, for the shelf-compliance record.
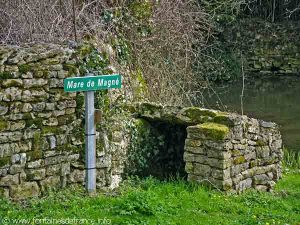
(25, 68)
(239, 160)
(223, 118)
(69, 148)
(12, 83)
(34, 155)
(27, 116)
(260, 143)
(51, 130)
(37, 141)
(142, 125)
(38, 122)
(71, 68)
(6, 75)
(214, 130)
(236, 152)
(65, 119)
(253, 163)
(5, 161)
(46, 73)
(3, 125)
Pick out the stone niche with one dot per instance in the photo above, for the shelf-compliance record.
(227, 151)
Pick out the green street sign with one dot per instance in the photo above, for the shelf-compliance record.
(92, 83)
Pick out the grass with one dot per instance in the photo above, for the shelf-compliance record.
(291, 159)
(151, 201)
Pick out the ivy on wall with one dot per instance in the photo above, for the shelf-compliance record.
(155, 149)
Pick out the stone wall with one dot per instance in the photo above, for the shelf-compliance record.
(41, 126)
(42, 131)
(268, 48)
(226, 150)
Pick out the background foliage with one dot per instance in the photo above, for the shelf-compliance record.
(168, 49)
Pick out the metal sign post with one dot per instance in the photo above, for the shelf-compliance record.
(89, 84)
(90, 141)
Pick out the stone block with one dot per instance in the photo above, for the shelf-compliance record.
(103, 162)
(52, 142)
(263, 152)
(52, 182)
(261, 179)
(211, 153)
(243, 185)
(219, 163)
(9, 180)
(25, 190)
(195, 150)
(53, 170)
(236, 179)
(33, 83)
(35, 164)
(3, 171)
(50, 106)
(239, 168)
(35, 174)
(193, 143)
(224, 185)
(268, 124)
(195, 178)
(261, 188)
(77, 176)
(189, 168)
(13, 126)
(55, 160)
(15, 169)
(201, 169)
(65, 169)
(101, 178)
(38, 107)
(6, 137)
(220, 174)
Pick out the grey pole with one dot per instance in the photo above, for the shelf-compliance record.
(90, 141)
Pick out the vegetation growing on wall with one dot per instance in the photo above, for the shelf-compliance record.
(156, 149)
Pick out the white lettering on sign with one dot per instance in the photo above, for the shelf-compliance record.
(108, 83)
(72, 84)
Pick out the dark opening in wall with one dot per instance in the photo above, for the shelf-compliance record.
(156, 149)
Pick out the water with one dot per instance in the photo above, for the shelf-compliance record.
(271, 99)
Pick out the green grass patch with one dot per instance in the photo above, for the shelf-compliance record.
(151, 201)
(291, 159)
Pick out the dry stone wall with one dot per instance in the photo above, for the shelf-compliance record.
(228, 151)
(41, 126)
(42, 132)
(270, 48)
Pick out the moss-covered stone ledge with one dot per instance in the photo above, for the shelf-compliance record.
(226, 150)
